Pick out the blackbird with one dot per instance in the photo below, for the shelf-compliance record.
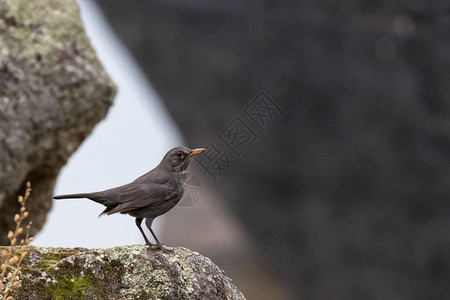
(150, 195)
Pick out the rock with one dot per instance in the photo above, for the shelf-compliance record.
(126, 272)
(350, 187)
(53, 90)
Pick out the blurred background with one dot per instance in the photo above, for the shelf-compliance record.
(328, 134)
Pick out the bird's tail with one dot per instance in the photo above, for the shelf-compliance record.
(72, 196)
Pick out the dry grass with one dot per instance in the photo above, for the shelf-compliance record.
(13, 257)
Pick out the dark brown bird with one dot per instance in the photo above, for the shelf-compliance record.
(150, 195)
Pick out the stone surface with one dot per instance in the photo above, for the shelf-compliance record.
(126, 272)
(348, 192)
(53, 90)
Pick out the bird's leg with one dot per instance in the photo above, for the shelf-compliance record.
(138, 224)
(156, 239)
(158, 246)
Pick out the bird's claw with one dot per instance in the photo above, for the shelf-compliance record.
(154, 247)
(166, 249)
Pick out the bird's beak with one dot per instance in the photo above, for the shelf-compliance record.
(196, 152)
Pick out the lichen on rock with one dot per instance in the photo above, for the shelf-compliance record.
(53, 91)
(126, 272)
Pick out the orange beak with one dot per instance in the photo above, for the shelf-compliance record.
(196, 152)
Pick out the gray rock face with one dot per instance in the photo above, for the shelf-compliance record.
(128, 272)
(53, 91)
(350, 187)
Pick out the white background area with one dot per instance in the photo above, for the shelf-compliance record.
(132, 140)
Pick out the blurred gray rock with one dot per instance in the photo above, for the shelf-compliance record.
(348, 192)
(127, 272)
(53, 91)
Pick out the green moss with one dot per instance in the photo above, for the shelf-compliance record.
(55, 256)
(45, 265)
(49, 259)
(71, 281)
(126, 272)
(67, 288)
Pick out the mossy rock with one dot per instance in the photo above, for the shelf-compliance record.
(53, 91)
(126, 272)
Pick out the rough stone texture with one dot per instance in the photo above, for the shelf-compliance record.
(53, 91)
(350, 188)
(127, 272)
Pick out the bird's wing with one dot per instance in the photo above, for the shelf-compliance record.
(140, 194)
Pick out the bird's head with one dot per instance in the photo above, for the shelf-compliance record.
(178, 158)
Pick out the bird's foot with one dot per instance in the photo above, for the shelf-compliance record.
(166, 249)
(150, 246)
(161, 247)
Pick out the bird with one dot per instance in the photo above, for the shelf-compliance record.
(150, 195)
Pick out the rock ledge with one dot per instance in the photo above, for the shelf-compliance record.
(125, 272)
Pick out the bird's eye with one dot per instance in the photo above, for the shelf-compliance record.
(180, 154)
